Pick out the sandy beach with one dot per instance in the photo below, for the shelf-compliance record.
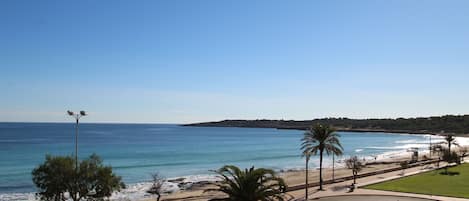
(297, 177)
(292, 178)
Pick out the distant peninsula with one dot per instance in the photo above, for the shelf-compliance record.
(448, 124)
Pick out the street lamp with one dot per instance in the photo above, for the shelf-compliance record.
(430, 148)
(77, 118)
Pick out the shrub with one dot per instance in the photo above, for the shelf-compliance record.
(57, 179)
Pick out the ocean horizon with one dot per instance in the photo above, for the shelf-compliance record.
(137, 150)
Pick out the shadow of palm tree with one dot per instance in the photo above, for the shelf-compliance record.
(449, 173)
(339, 188)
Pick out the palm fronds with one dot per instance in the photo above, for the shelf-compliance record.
(250, 184)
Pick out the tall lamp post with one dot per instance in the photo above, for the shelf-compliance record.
(77, 117)
(430, 148)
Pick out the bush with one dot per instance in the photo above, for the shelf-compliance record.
(451, 157)
(57, 179)
(157, 185)
(355, 165)
(404, 165)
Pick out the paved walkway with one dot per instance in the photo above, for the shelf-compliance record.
(342, 187)
(370, 198)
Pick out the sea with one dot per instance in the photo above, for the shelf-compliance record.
(137, 150)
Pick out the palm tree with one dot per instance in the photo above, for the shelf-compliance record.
(450, 139)
(249, 185)
(318, 139)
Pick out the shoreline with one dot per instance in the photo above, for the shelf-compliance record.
(182, 187)
(194, 184)
(294, 179)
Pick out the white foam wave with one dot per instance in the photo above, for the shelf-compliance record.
(198, 178)
(405, 146)
(463, 141)
(131, 192)
(138, 191)
(17, 197)
(407, 141)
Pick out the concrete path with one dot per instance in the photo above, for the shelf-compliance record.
(342, 187)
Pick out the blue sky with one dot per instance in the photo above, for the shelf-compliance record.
(188, 61)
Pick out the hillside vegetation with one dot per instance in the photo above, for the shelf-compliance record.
(449, 124)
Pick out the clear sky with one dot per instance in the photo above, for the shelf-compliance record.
(188, 61)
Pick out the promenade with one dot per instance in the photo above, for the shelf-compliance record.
(341, 188)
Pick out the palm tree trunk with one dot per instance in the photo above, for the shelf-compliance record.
(306, 188)
(333, 161)
(354, 177)
(320, 169)
(449, 153)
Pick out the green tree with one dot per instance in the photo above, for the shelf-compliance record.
(57, 177)
(450, 157)
(404, 165)
(319, 139)
(54, 177)
(355, 165)
(250, 185)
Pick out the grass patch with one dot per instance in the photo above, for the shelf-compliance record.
(455, 184)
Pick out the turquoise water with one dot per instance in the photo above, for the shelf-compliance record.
(136, 150)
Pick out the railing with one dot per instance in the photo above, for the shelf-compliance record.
(346, 178)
